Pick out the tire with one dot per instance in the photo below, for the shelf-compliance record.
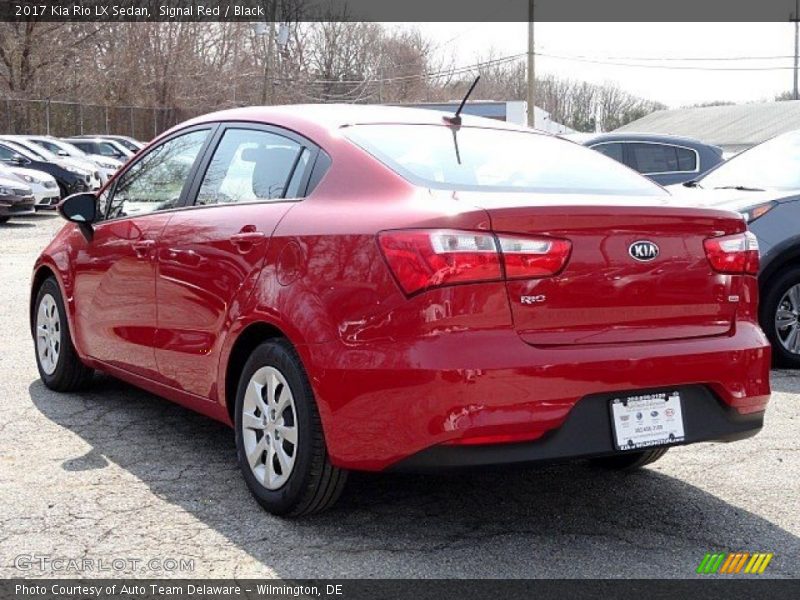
(66, 373)
(4, 219)
(774, 297)
(629, 460)
(311, 483)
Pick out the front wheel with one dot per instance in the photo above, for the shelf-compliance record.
(780, 317)
(279, 439)
(629, 460)
(59, 366)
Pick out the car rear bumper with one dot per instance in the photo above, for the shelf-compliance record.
(382, 403)
(587, 433)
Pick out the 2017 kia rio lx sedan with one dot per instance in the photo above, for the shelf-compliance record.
(371, 288)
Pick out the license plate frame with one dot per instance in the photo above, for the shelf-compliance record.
(642, 421)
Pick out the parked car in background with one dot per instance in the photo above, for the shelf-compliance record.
(44, 187)
(665, 159)
(81, 165)
(371, 288)
(106, 165)
(15, 198)
(70, 179)
(101, 147)
(127, 142)
(763, 184)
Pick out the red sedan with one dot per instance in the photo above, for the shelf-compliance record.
(371, 288)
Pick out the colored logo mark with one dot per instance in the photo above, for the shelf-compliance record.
(734, 562)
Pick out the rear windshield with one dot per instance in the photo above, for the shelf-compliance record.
(474, 158)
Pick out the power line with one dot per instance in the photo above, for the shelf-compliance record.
(586, 59)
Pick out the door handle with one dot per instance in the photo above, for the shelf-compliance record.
(245, 240)
(142, 248)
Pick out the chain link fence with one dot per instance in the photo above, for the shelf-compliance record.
(62, 118)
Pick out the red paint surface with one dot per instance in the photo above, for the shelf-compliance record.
(394, 374)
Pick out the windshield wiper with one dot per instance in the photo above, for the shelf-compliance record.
(741, 188)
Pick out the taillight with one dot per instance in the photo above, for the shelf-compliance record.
(527, 258)
(423, 259)
(733, 254)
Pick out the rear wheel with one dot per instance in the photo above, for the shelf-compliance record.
(780, 317)
(629, 460)
(59, 366)
(279, 440)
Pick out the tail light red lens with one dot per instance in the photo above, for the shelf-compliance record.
(734, 254)
(423, 259)
(527, 258)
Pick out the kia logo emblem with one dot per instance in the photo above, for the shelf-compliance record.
(643, 250)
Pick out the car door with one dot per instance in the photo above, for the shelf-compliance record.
(210, 255)
(114, 272)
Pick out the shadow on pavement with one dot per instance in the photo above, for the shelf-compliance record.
(545, 521)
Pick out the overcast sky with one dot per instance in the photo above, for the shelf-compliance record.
(607, 42)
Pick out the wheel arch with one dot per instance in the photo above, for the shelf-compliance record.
(246, 341)
(42, 273)
(789, 257)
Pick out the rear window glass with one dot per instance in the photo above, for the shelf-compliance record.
(474, 158)
(662, 158)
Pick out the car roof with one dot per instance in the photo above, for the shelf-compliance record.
(643, 137)
(334, 116)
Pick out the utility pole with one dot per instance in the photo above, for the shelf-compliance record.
(796, 20)
(268, 33)
(531, 70)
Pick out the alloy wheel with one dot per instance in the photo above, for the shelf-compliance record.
(48, 334)
(787, 320)
(269, 427)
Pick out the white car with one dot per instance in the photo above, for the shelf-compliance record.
(125, 141)
(82, 166)
(44, 186)
(107, 165)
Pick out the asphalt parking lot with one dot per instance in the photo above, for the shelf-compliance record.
(116, 473)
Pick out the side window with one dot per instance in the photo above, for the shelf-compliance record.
(293, 189)
(102, 205)
(5, 153)
(250, 166)
(654, 158)
(611, 150)
(687, 159)
(106, 150)
(155, 182)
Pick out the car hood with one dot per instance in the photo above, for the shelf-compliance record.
(40, 175)
(80, 163)
(15, 183)
(727, 199)
(99, 158)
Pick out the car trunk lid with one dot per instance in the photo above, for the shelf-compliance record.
(637, 271)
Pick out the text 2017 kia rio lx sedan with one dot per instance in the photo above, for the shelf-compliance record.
(378, 288)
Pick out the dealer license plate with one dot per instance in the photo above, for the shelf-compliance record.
(647, 420)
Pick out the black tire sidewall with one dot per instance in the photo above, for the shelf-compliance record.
(284, 499)
(65, 344)
(773, 292)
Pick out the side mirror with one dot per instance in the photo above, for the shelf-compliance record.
(17, 159)
(80, 209)
(63, 153)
